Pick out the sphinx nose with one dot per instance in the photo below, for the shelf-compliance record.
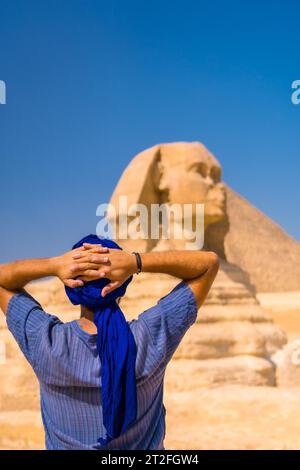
(222, 190)
(209, 181)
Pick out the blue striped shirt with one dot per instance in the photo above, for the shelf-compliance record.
(65, 360)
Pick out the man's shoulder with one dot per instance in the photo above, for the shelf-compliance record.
(180, 292)
(179, 302)
(24, 310)
(165, 323)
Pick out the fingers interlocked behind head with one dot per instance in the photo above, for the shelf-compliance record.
(92, 265)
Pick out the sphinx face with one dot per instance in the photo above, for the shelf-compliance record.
(190, 175)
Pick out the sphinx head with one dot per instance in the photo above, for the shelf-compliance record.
(187, 173)
(174, 173)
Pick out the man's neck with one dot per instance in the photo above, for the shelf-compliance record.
(87, 320)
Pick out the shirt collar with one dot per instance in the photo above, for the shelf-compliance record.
(91, 338)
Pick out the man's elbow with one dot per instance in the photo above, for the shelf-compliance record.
(213, 262)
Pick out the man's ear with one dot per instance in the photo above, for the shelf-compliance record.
(139, 183)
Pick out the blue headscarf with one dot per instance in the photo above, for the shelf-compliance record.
(116, 347)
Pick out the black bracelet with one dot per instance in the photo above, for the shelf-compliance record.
(138, 262)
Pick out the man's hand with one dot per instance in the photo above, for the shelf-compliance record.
(73, 273)
(117, 266)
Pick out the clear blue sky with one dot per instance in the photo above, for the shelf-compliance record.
(91, 83)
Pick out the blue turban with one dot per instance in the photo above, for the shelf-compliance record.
(116, 347)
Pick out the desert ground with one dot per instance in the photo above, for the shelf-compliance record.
(220, 417)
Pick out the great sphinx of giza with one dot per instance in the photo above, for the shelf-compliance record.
(234, 338)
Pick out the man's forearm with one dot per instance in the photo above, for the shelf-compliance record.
(15, 275)
(182, 264)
